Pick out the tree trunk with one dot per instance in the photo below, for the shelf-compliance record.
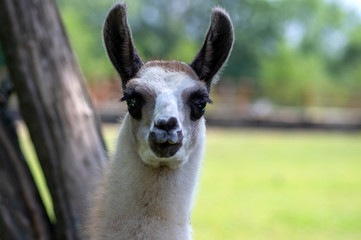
(55, 105)
(22, 214)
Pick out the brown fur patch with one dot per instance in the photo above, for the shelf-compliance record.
(173, 66)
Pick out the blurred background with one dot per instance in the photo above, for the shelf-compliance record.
(289, 166)
(293, 62)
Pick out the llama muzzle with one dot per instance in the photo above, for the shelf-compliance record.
(165, 137)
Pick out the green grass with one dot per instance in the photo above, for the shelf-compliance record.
(35, 168)
(279, 185)
(276, 185)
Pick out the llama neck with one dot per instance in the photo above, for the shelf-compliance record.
(150, 200)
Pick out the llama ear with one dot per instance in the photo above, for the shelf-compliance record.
(119, 44)
(216, 47)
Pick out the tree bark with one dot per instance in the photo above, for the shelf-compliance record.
(54, 104)
(22, 213)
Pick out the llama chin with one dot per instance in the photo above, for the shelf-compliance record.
(147, 189)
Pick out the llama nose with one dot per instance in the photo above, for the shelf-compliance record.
(166, 130)
(166, 124)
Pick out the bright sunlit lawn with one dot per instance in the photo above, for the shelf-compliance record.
(275, 185)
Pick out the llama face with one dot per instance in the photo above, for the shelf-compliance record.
(166, 106)
(166, 100)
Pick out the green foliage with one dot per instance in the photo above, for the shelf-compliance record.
(86, 39)
(347, 67)
(318, 21)
(313, 44)
(295, 78)
(185, 50)
(170, 30)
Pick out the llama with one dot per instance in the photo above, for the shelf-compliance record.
(147, 189)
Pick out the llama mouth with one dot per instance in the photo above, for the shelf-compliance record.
(164, 150)
(165, 144)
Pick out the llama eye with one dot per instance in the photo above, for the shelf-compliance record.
(197, 102)
(201, 104)
(134, 102)
(197, 108)
(131, 102)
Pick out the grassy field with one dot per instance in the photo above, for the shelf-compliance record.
(276, 185)
(279, 185)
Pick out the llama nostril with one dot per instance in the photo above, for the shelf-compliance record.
(159, 137)
(175, 137)
(166, 124)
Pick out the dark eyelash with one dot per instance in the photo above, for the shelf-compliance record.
(200, 94)
(130, 94)
(125, 98)
(208, 100)
(127, 95)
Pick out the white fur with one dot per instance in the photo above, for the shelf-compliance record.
(139, 197)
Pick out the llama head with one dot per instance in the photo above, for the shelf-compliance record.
(166, 99)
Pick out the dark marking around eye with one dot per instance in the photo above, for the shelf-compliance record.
(197, 103)
(135, 102)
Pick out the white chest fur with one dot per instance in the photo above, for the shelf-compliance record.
(141, 202)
